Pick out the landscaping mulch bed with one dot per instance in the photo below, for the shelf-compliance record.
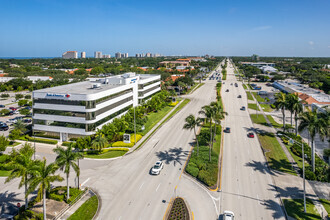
(179, 210)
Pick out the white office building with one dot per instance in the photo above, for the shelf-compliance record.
(81, 108)
(83, 54)
(70, 55)
(98, 54)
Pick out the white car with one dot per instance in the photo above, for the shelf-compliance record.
(12, 120)
(155, 170)
(228, 215)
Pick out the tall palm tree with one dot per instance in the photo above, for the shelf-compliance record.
(312, 121)
(281, 103)
(66, 158)
(22, 164)
(99, 142)
(207, 111)
(296, 107)
(43, 176)
(192, 123)
(218, 115)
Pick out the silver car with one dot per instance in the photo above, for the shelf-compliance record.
(155, 170)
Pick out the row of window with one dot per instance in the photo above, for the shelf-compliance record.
(87, 127)
(141, 94)
(86, 115)
(141, 86)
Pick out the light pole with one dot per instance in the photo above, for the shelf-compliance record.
(134, 127)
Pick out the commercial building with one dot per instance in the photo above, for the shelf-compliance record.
(98, 54)
(81, 108)
(118, 55)
(70, 55)
(83, 55)
(258, 64)
(107, 56)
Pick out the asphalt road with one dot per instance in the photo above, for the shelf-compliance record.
(246, 183)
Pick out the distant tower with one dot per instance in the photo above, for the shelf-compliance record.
(118, 55)
(98, 54)
(255, 57)
(83, 54)
(148, 54)
(70, 55)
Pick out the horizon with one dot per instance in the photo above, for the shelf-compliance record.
(241, 28)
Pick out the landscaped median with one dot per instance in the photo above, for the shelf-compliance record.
(295, 209)
(87, 210)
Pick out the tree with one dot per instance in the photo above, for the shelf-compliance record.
(4, 112)
(22, 164)
(99, 142)
(218, 115)
(14, 134)
(296, 107)
(22, 102)
(3, 143)
(43, 176)
(207, 111)
(24, 111)
(27, 97)
(281, 103)
(19, 96)
(326, 153)
(66, 158)
(20, 126)
(311, 121)
(192, 123)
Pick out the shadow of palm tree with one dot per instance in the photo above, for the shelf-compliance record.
(275, 207)
(292, 192)
(260, 167)
(174, 154)
(8, 202)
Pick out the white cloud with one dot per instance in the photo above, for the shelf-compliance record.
(311, 43)
(261, 28)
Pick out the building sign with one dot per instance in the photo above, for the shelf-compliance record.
(55, 95)
(127, 138)
(133, 80)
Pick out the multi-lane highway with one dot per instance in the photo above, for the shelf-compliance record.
(246, 182)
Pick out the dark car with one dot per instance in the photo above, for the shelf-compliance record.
(236, 85)
(227, 90)
(250, 135)
(13, 108)
(27, 120)
(2, 106)
(239, 96)
(243, 108)
(4, 127)
(28, 108)
(227, 130)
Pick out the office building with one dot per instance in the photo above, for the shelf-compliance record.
(83, 54)
(148, 54)
(81, 108)
(70, 55)
(118, 55)
(106, 56)
(126, 55)
(98, 54)
(258, 64)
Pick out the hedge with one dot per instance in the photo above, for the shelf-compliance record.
(66, 143)
(122, 144)
(39, 140)
(174, 103)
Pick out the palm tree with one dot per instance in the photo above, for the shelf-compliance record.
(296, 107)
(207, 111)
(66, 158)
(22, 164)
(43, 176)
(99, 142)
(312, 121)
(218, 115)
(281, 103)
(19, 125)
(191, 123)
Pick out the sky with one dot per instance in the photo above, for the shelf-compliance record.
(47, 28)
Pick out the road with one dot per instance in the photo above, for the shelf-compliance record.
(246, 183)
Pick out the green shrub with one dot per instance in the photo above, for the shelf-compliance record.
(310, 175)
(73, 139)
(47, 135)
(66, 143)
(273, 106)
(192, 169)
(40, 140)
(122, 144)
(207, 178)
(115, 148)
(204, 137)
(56, 197)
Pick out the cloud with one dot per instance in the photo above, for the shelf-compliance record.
(262, 28)
(311, 43)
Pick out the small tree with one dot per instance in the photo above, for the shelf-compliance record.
(24, 111)
(27, 97)
(192, 123)
(19, 96)
(3, 143)
(4, 112)
(22, 102)
(99, 142)
(14, 134)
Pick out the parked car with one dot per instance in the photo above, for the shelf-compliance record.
(228, 215)
(27, 120)
(28, 108)
(227, 90)
(242, 108)
(227, 130)
(4, 127)
(250, 135)
(155, 170)
(2, 106)
(236, 85)
(239, 96)
(11, 120)
(13, 108)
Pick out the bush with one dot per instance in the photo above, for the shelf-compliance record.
(66, 143)
(122, 144)
(56, 197)
(310, 175)
(207, 178)
(115, 148)
(39, 140)
(27, 97)
(204, 137)
(73, 139)
(273, 106)
(5, 95)
(192, 169)
(174, 103)
(46, 135)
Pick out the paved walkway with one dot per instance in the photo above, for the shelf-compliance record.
(290, 186)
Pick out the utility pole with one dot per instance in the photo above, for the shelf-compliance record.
(134, 126)
(303, 159)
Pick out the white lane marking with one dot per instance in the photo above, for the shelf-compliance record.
(84, 182)
(141, 186)
(158, 187)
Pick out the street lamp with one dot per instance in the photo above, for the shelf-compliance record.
(134, 126)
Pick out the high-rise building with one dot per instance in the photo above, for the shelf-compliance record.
(126, 55)
(148, 54)
(118, 55)
(98, 54)
(255, 57)
(137, 55)
(106, 56)
(83, 54)
(70, 55)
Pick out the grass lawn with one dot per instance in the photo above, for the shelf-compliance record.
(244, 86)
(258, 119)
(275, 154)
(258, 97)
(154, 118)
(326, 204)
(4, 173)
(109, 154)
(13, 144)
(266, 107)
(249, 96)
(253, 106)
(295, 209)
(273, 122)
(86, 210)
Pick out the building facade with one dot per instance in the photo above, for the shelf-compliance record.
(70, 55)
(81, 108)
(118, 55)
(83, 54)
(98, 54)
